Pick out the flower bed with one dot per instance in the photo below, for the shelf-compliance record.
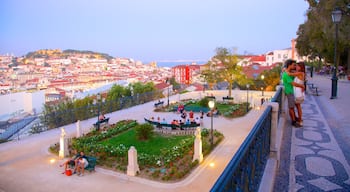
(168, 162)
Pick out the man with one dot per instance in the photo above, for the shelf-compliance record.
(288, 82)
(73, 161)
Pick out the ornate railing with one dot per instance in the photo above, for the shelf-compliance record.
(245, 170)
(15, 127)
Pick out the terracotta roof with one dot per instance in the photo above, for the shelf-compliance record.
(256, 58)
(162, 85)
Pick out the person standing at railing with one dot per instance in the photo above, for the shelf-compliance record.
(299, 93)
(288, 82)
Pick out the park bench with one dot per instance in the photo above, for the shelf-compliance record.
(100, 122)
(227, 98)
(158, 104)
(210, 97)
(314, 89)
(172, 126)
(92, 163)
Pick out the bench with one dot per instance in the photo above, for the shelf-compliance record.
(210, 97)
(104, 121)
(160, 103)
(92, 163)
(313, 88)
(172, 126)
(227, 98)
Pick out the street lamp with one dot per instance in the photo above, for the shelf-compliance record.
(336, 17)
(247, 96)
(262, 88)
(168, 83)
(98, 98)
(211, 105)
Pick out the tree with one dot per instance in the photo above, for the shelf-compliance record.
(209, 74)
(272, 78)
(317, 35)
(144, 131)
(229, 71)
(116, 92)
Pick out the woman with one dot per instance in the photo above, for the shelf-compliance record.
(299, 93)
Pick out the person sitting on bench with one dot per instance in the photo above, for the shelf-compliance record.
(73, 161)
(82, 164)
(102, 117)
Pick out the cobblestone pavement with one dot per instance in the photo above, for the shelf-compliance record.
(316, 157)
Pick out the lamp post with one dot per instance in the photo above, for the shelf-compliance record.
(336, 17)
(211, 105)
(247, 97)
(98, 98)
(262, 88)
(168, 83)
(168, 95)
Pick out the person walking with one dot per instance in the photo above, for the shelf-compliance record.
(288, 82)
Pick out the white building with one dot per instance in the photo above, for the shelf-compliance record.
(21, 102)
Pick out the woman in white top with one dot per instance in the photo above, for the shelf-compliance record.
(82, 164)
(299, 93)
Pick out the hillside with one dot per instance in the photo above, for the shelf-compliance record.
(57, 53)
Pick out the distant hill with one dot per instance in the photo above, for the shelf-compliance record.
(57, 53)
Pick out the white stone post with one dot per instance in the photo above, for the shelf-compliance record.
(133, 166)
(63, 145)
(275, 139)
(78, 129)
(198, 146)
(283, 101)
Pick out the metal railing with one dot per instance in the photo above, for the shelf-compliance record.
(15, 127)
(246, 168)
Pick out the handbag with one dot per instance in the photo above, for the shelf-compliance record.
(68, 172)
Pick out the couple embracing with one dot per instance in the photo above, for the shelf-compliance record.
(293, 79)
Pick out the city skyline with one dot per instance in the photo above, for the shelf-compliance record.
(150, 30)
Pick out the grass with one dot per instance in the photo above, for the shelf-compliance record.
(152, 146)
(223, 107)
(158, 157)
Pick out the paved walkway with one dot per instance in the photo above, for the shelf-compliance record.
(25, 164)
(316, 157)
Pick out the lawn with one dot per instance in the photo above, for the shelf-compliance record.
(162, 157)
(229, 110)
(153, 146)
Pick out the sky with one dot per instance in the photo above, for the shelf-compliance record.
(150, 30)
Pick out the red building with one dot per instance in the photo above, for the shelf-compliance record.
(183, 74)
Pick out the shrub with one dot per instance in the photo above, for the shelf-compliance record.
(144, 131)
(204, 102)
(205, 132)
